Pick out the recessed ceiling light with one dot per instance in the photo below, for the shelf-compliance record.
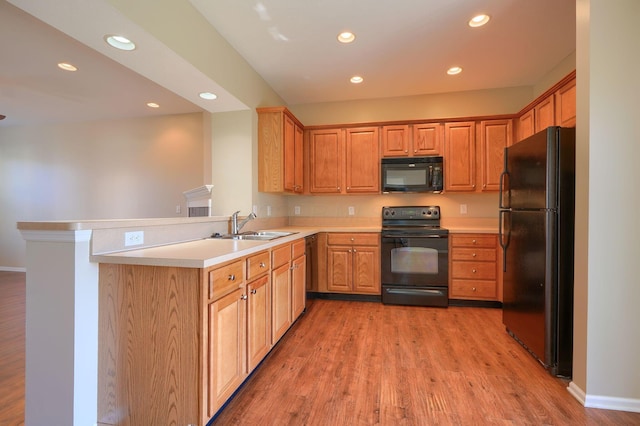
(356, 79)
(67, 67)
(153, 105)
(346, 37)
(479, 20)
(119, 42)
(454, 70)
(208, 96)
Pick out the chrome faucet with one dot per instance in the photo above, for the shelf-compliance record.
(235, 226)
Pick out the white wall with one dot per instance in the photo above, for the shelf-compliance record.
(134, 168)
(608, 45)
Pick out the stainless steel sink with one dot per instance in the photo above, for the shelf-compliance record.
(256, 235)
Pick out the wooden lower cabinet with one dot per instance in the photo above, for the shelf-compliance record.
(474, 263)
(176, 343)
(353, 263)
(258, 320)
(226, 347)
(298, 278)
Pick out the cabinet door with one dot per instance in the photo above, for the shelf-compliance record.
(427, 139)
(339, 269)
(495, 136)
(366, 270)
(258, 321)
(545, 114)
(289, 154)
(460, 156)
(395, 141)
(325, 161)
(298, 288)
(362, 160)
(566, 105)
(526, 125)
(226, 348)
(281, 302)
(298, 160)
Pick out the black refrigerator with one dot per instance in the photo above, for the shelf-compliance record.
(537, 204)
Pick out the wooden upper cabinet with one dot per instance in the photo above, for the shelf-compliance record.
(427, 139)
(545, 115)
(325, 161)
(566, 104)
(495, 136)
(526, 124)
(395, 141)
(280, 144)
(417, 140)
(459, 156)
(362, 160)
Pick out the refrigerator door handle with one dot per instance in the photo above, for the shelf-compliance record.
(504, 242)
(503, 175)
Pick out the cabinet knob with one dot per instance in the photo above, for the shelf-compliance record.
(262, 264)
(243, 297)
(406, 150)
(232, 277)
(353, 239)
(473, 241)
(474, 270)
(350, 251)
(473, 255)
(484, 185)
(473, 289)
(254, 291)
(354, 250)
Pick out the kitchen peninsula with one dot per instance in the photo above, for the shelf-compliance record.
(64, 305)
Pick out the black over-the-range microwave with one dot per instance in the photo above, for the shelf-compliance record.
(412, 174)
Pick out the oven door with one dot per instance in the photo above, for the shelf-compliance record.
(415, 269)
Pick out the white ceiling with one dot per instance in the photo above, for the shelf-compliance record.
(403, 47)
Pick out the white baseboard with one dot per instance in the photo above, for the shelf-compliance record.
(604, 402)
(12, 269)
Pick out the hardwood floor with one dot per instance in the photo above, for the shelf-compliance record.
(12, 317)
(363, 363)
(359, 363)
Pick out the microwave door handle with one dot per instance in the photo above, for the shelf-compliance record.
(430, 178)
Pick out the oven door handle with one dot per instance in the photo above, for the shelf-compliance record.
(414, 236)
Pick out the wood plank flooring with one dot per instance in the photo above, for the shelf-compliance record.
(12, 325)
(363, 363)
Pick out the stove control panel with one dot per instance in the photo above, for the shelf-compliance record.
(411, 213)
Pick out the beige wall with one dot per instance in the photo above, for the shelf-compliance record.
(102, 170)
(607, 283)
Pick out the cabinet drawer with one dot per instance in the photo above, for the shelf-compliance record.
(473, 240)
(474, 270)
(258, 264)
(473, 289)
(356, 239)
(225, 279)
(280, 255)
(298, 248)
(477, 254)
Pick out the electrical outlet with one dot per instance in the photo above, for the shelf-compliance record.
(254, 209)
(352, 210)
(296, 210)
(133, 238)
(268, 210)
(178, 209)
(463, 209)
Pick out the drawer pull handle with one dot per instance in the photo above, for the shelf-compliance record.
(254, 291)
(262, 264)
(232, 277)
